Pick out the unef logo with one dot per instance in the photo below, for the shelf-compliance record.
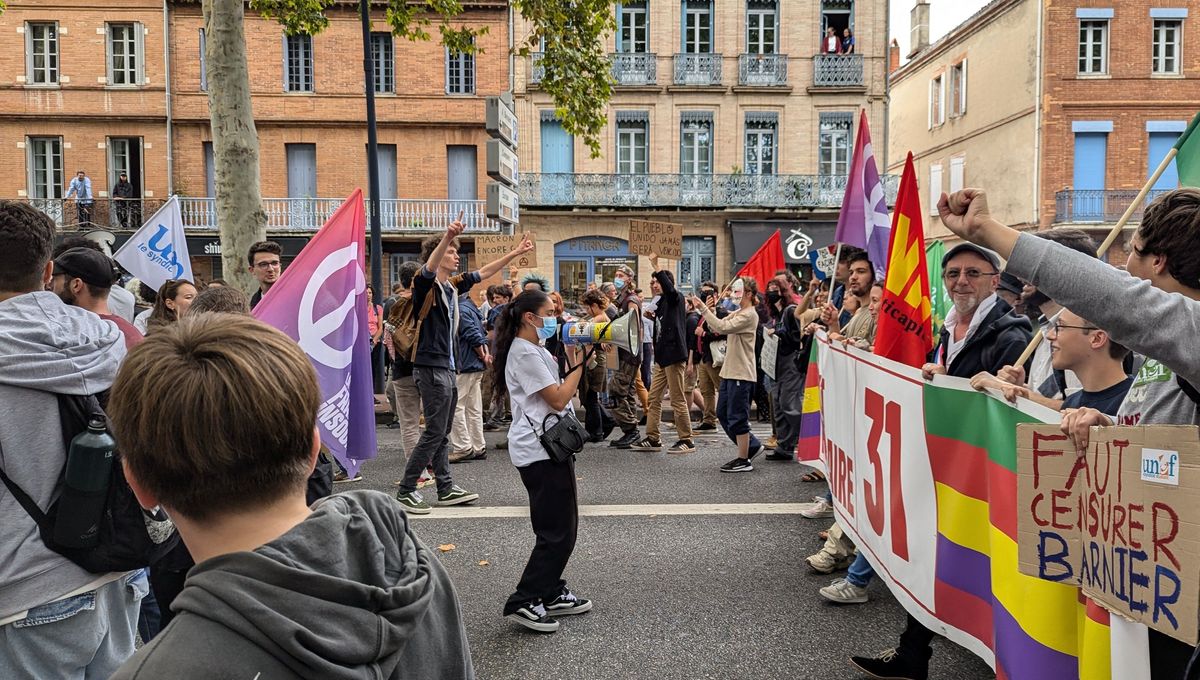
(162, 254)
(1160, 467)
(341, 322)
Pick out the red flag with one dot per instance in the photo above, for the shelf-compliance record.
(767, 260)
(905, 329)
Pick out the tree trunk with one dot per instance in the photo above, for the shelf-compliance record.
(235, 140)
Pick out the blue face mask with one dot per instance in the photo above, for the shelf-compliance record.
(619, 283)
(549, 327)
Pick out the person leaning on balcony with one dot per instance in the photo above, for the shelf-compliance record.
(122, 193)
(81, 188)
(848, 41)
(831, 44)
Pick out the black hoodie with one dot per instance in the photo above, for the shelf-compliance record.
(670, 319)
(998, 342)
(350, 592)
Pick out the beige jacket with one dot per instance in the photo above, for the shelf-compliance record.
(740, 328)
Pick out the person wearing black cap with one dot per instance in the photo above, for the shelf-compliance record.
(83, 278)
(981, 333)
(1010, 291)
(122, 193)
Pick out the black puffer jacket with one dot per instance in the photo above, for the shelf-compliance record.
(670, 319)
(998, 342)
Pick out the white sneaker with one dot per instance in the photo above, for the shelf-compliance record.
(842, 591)
(818, 510)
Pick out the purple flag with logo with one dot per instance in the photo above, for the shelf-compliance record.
(321, 303)
(864, 220)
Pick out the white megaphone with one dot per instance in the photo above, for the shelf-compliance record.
(103, 238)
(624, 332)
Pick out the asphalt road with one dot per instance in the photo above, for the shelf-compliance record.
(678, 594)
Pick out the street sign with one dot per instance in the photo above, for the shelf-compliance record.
(502, 203)
(501, 162)
(500, 120)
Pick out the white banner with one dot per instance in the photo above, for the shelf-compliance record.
(157, 252)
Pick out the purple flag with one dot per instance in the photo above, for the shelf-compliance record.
(321, 303)
(864, 220)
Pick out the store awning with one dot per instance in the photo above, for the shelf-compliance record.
(798, 238)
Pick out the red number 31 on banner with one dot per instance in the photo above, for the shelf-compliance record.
(885, 416)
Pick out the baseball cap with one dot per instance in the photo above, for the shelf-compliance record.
(95, 268)
(1011, 283)
(986, 254)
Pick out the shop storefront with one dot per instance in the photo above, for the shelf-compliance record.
(588, 259)
(205, 252)
(798, 239)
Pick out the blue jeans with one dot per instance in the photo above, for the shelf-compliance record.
(860, 572)
(733, 409)
(84, 637)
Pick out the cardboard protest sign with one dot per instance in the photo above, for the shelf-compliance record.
(1122, 520)
(664, 239)
(492, 248)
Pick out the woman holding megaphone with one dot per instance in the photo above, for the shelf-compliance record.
(738, 373)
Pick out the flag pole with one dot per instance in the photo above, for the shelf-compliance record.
(1112, 237)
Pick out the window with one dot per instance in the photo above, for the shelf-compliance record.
(45, 166)
(124, 54)
(958, 89)
(460, 73)
(1093, 47)
(697, 27)
(632, 28)
(1165, 54)
(633, 148)
(935, 187)
(203, 62)
(761, 130)
(956, 173)
(760, 27)
(383, 64)
(695, 143)
(41, 53)
(298, 63)
(937, 101)
(834, 144)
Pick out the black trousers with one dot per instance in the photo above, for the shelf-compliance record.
(554, 512)
(916, 640)
(596, 420)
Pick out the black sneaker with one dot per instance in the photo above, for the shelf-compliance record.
(647, 444)
(480, 454)
(755, 450)
(778, 455)
(893, 666)
(566, 603)
(625, 441)
(393, 425)
(706, 427)
(533, 616)
(737, 465)
(596, 438)
(492, 426)
(682, 446)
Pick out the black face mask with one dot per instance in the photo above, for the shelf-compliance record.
(773, 296)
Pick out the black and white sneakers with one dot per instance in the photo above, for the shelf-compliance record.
(737, 465)
(539, 615)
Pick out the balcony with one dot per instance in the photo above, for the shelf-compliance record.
(1098, 205)
(400, 215)
(634, 69)
(838, 70)
(762, 70)
(537, 70)
(102, 213)
(698, 69)
(566, 190)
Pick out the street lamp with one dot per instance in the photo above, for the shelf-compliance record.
(364, 10)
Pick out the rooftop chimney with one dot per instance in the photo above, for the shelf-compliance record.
(918, 21)
(893, 56)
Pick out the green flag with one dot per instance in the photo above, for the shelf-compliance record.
(939, 301)
(1187, 157)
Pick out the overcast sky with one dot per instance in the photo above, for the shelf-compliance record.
(944, 15)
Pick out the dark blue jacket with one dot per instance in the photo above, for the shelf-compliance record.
(435, 344)
(470, 336)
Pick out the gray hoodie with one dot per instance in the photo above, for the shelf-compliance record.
(46, 348)
(1145, 319)
(350, 592)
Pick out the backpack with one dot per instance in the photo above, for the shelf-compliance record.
(130, 537)
(406, 326)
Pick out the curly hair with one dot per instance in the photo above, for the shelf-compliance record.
(1171, 226)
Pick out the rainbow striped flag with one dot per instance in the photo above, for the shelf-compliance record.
(808, 444)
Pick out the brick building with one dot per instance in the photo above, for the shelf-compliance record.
(1110, 85)
(727, 118)
(87, 88)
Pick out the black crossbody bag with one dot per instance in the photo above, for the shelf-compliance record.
(566, 436)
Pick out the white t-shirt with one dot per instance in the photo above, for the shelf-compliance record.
(529, 370)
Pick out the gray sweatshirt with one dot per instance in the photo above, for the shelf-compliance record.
(350, 592)
(1143, 318)
(46, 348)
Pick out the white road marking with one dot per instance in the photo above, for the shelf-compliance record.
(469, 512)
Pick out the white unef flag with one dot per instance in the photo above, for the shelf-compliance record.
(158, 252)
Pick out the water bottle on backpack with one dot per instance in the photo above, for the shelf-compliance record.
(85, 491)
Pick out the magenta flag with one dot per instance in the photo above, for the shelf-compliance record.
(864, 221)
(321, 303)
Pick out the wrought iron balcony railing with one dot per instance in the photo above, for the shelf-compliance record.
(698, 69)
(1098, 205)
(634, 69)
(283, 214)
(763, 70)
(838, 70)
(688, 191)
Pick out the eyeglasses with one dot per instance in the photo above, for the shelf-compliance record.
(1057, 327)
(269, 264)
(972, 274)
